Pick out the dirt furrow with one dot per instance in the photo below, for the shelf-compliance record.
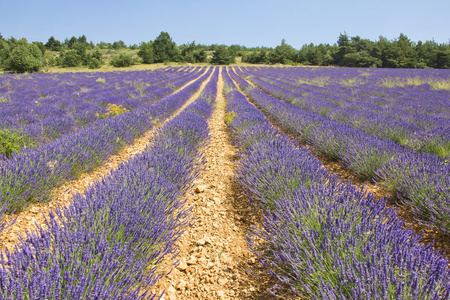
(439, 241)
(35, 214)
(214, 260)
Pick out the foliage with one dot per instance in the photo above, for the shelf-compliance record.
(5, 52)
(122, 60)
(53, 44)
(192, 53)
(113, 110)
(12, 141)
(229, 117)
(222, 56)
(282, 54)
(70, 58)
(94, 60)
(94, 64)
(25, 58)
(146, 53)
(119, 45)
(164, 48)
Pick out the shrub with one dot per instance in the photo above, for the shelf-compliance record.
(113, 110)
(12, 141)
(122, 60)
(146, 53)
(71, 58)
(94, 64)
(25, 58)
(222, 56)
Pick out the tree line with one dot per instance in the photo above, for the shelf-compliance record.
(357, 52)
(21, 56)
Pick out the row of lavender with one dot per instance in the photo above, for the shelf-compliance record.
(46, 107)
(420, 179)
(367, 90)
(415, 116)
(109, 243)
(324, 238)
(31, 176)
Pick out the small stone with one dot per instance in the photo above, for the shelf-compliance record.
(34, 210)
(201, 242)
(222, 281)
(192, 261)
(182, 266)
(171, 293)
(181, 284)
(200, 188)
(221, 294)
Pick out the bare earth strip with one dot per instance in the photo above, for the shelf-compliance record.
(214, 259)
(439, 241)
(35, 213)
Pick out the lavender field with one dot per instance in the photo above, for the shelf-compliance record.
(324, 238)
(320, 237)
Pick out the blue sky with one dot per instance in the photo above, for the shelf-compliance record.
(246, 22)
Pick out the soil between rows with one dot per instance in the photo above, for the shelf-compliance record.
(214, 260)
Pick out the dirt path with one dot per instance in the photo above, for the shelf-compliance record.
(63, 195)
(440, 241)
(214, 259)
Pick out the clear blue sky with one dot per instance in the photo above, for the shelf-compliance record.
(245, 22)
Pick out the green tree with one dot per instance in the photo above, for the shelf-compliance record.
(400, 53)
(82, 40)
(187, 52)
(5, 52)
(25, 57)
(94, 60)
(119, 45)
(344, 47)
(283, 54)
(53, 44)
(443, 57)
(146, 53)
(199, 55)
(72, 43)
(222, 56)
(71, 58)
(164, 49)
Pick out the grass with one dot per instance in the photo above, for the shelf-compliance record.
(318, 81)
(435, 83)
(352, 81)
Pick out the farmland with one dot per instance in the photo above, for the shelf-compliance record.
(326, 183)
